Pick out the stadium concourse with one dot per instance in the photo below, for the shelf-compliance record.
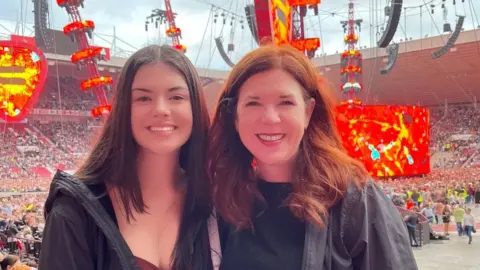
(59, 131)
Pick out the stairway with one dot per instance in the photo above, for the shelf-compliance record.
(32, 130)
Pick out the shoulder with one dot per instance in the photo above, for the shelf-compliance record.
(357, 196)
(67, 213)
(67, 198)
(371, 224)
(367, 205)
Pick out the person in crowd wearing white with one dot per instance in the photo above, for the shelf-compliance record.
(469, 221)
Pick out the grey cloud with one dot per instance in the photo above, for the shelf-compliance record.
(109, 13)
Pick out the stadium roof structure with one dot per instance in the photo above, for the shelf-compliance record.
(416, 79)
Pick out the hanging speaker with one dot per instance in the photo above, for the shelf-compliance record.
(252, 21)
(392, 51)
(223, 54)
(393, 19)
(453, 38)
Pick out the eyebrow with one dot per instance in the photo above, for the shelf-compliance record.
(283, 96)
(171, 89)
(142, 90)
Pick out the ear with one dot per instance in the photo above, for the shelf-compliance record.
(310, 106)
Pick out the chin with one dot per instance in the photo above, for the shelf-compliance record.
(162, 149)
(273, 159)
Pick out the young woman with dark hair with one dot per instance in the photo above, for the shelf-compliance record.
(305, 204)
(140, 200)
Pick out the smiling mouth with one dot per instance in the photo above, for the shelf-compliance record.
(162, 129)
(271, 137)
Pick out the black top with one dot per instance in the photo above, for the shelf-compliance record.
(276, 240)
(412, 220)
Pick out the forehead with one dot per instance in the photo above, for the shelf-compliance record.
(271, 83)
(158, 76)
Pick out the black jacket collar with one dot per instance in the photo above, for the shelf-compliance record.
(64, 184)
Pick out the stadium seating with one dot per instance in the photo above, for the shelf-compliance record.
(39, 147)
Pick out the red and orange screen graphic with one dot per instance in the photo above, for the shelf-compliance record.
(389, 140)
(23, 71)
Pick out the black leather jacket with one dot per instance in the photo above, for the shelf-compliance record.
(81, 231)
(365, 232)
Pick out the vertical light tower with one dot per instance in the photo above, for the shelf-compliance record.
(87, 56)
(351, 59)
(282, 22)
(299, 10)
(173, 31)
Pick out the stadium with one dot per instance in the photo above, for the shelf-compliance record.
(59, 129)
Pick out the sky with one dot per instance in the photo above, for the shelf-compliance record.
(195, 19)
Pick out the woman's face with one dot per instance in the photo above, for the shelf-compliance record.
(272, 116)
(161, 110)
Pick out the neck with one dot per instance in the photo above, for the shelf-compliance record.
(276, 173)
(159, 177)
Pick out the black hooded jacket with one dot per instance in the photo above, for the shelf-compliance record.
(81, 231)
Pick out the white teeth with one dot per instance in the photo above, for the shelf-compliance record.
(155, 129)
(271, 138)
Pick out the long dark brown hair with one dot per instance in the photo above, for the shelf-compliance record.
(326, 171)
(112, 159)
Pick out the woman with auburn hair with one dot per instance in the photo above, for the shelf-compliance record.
(141, 199)
(306, 204)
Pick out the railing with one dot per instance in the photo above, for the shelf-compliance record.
(23, 247)
(422, 231)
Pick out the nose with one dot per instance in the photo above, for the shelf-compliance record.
(161, 108)
(270, 115)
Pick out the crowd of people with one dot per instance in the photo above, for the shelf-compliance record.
(443, 197)
(46, 146)
(65, 95)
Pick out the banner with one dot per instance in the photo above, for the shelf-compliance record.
(28, 148)
(463, 137)
(60, 112)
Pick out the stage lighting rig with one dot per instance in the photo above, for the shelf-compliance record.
(157, 17)
(167, 16)
(232, 19)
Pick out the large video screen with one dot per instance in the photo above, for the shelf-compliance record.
(390, 140)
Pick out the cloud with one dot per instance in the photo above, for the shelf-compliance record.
(198, 35)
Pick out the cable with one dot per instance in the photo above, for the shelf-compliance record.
(375, 18)
(436, 26)
(221, 34)
(203, 37)
(321, 34)
(57, 73)
(440, 64)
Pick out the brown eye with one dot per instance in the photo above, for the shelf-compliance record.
(286, 102)
(177, 98)
(143, 99)
(252, 103)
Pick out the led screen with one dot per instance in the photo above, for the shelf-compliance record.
(390, 140)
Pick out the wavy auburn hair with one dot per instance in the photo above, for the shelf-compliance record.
(325, 170)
